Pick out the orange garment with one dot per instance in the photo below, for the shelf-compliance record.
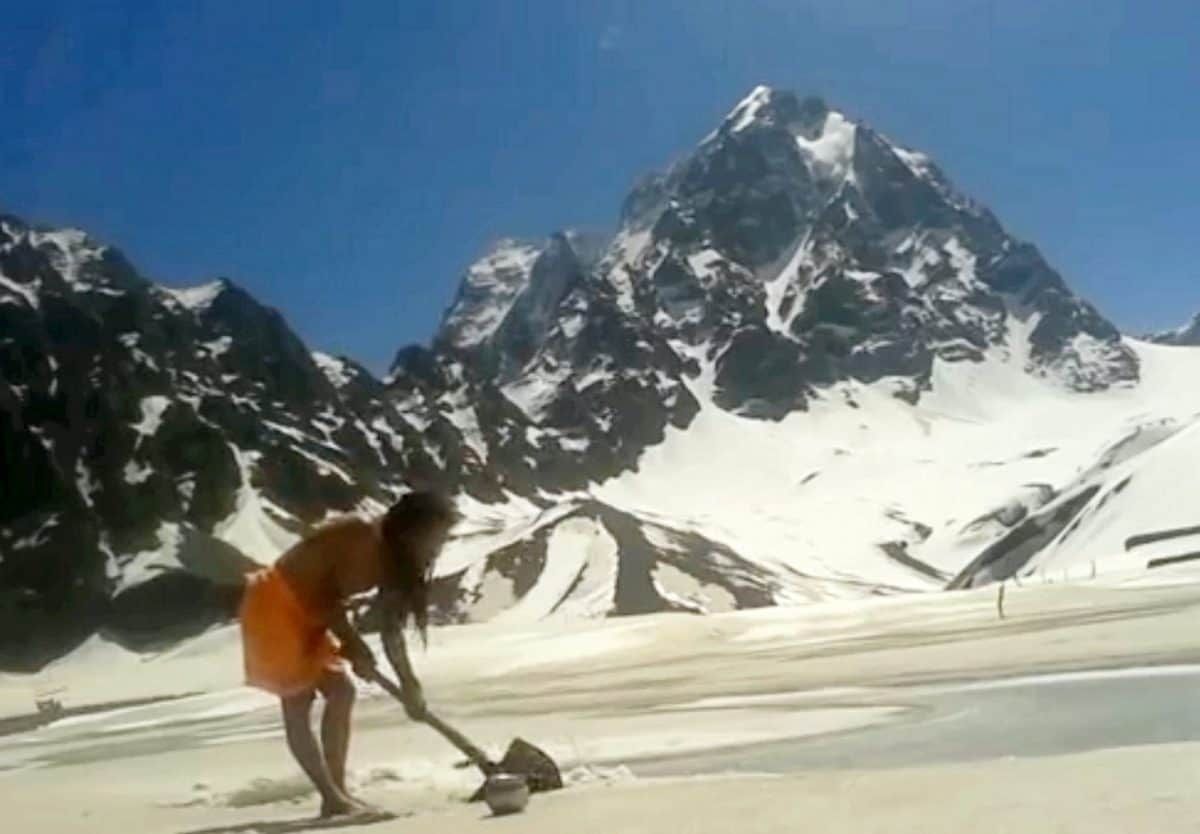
(285, 646)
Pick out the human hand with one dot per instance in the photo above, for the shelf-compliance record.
(363, 664)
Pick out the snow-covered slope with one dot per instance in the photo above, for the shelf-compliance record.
(804, 366)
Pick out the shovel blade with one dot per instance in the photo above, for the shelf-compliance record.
(531, 762)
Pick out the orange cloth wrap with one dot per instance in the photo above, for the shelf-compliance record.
(286, 647)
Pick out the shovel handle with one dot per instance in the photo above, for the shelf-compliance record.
(464, 745)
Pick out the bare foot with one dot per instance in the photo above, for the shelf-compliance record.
(366, 808)
(339, 806)
(348, 806)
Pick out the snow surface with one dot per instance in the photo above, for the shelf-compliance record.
(747, 110)
(821, 491)
(252, 526)
(335, 370)
(574, 547)
(537, 389)
(217, 347)
(73, 250)
(139, 567)
(603, 698)
(152, 412)
(198, 298)
(498, 279)
(137, 473)
(831, 155)
(26, 292)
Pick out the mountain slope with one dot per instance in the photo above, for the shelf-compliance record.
(804, 366)
(1188, 335)
(147, 428)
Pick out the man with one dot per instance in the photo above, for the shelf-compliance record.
(296, 636)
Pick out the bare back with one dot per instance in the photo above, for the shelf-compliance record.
(336, 562)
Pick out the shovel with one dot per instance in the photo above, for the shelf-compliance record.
(522, 759)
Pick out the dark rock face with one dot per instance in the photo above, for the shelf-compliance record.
(134, 419)
(145, 430)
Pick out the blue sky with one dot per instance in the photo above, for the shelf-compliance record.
(346, 161)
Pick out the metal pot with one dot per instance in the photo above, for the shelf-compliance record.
(506, 793)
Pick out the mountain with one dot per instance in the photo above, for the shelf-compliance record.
(1188, 335)
(804, 366)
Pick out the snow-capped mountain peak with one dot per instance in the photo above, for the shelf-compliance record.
(630, 425)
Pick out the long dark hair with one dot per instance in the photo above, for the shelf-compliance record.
(406, 530)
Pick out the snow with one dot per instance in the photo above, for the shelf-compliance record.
(27, 292)
(777, 287)
(572, 325)
(137, 473)
(578, 445)
(599, 373)
(73, 251)
(385, 428)
(491, 527)
(885, 467)
(39, 537)
(534, 391)
(492, 285)
(917, 163)
(336, 371)
(300, 438)
(144, 565)
(85, 482)
(747, 110)
(627, 250)
(198, 298)
(132, 342)
(1145, 495)
(250, 527)
(609, 699)
(579, 549)
(684, 589)
(831, 155)
(217, 347)
(152, 412)
(962, 260)
(462, 415)
(324, 467)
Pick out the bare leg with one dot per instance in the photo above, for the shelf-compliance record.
(303, 744)
(338, 690)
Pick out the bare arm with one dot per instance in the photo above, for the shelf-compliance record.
(396, 649)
